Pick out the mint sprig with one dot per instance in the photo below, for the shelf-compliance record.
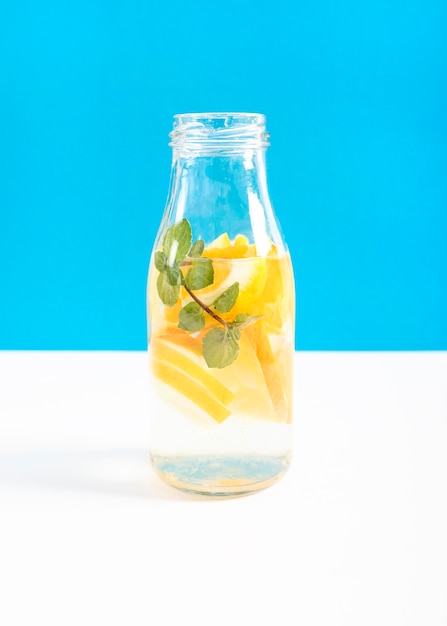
(197, 248)
(220, 347)
(191, 317)
(177, 241)
(220, 344)
(226, 301)
(200, 274)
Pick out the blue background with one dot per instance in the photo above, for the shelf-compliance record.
(355, 95)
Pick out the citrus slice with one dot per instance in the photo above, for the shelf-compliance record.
(251, 274)
(246, 377)
(223, 248)
(172, 312)
(267, 361)
(191, 342)
(231, 252)
(188, 362)
(251, 251)
(185, 385)
(223, 241)
(273, 296)
(240, 240)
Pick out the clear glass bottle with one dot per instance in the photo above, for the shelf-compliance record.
(220, 314)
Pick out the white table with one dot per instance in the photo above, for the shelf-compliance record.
(355, 534)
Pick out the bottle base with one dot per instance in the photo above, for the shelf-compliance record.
(221, 476)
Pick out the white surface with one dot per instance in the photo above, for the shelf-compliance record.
(355, 534)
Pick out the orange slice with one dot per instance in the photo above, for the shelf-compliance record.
(240, 240)
(273, 296)
(173, 354)
(223, 248)
(182, 339)
(190, 389)
(251, 251)
(272, 378)
(252, 276)
(178, 362)
(245, 376)
(172, 312)
(232, 252)
(223, 241)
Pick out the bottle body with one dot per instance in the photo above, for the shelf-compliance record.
(220, 320)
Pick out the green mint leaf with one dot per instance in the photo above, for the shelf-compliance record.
(243, 319)
(177, 241)
(173, 275)
(220, 348)
(197, 248)
(191, 317)
(160, 260)
(200, 274)
(168, 293)
(226, 301)
(234, 332)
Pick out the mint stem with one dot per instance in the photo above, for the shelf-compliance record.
(205, 307)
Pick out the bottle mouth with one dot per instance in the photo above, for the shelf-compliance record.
(219, 130)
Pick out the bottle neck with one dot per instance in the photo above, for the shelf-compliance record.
(218, 133)
(219, 161)
(218, 178)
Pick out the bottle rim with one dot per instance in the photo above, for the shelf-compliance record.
(219, 130)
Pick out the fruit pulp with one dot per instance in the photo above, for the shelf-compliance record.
(225, 431)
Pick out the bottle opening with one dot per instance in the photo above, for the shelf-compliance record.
(219, 130)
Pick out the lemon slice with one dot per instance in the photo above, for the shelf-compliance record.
(223, 241)
(175, 361)
(251, 274)
(192, 390)
(223, 248)
(240, 240)
(189, 362)
(246, 377)
(273, 380)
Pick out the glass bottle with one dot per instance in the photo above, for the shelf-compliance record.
(220, 314)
